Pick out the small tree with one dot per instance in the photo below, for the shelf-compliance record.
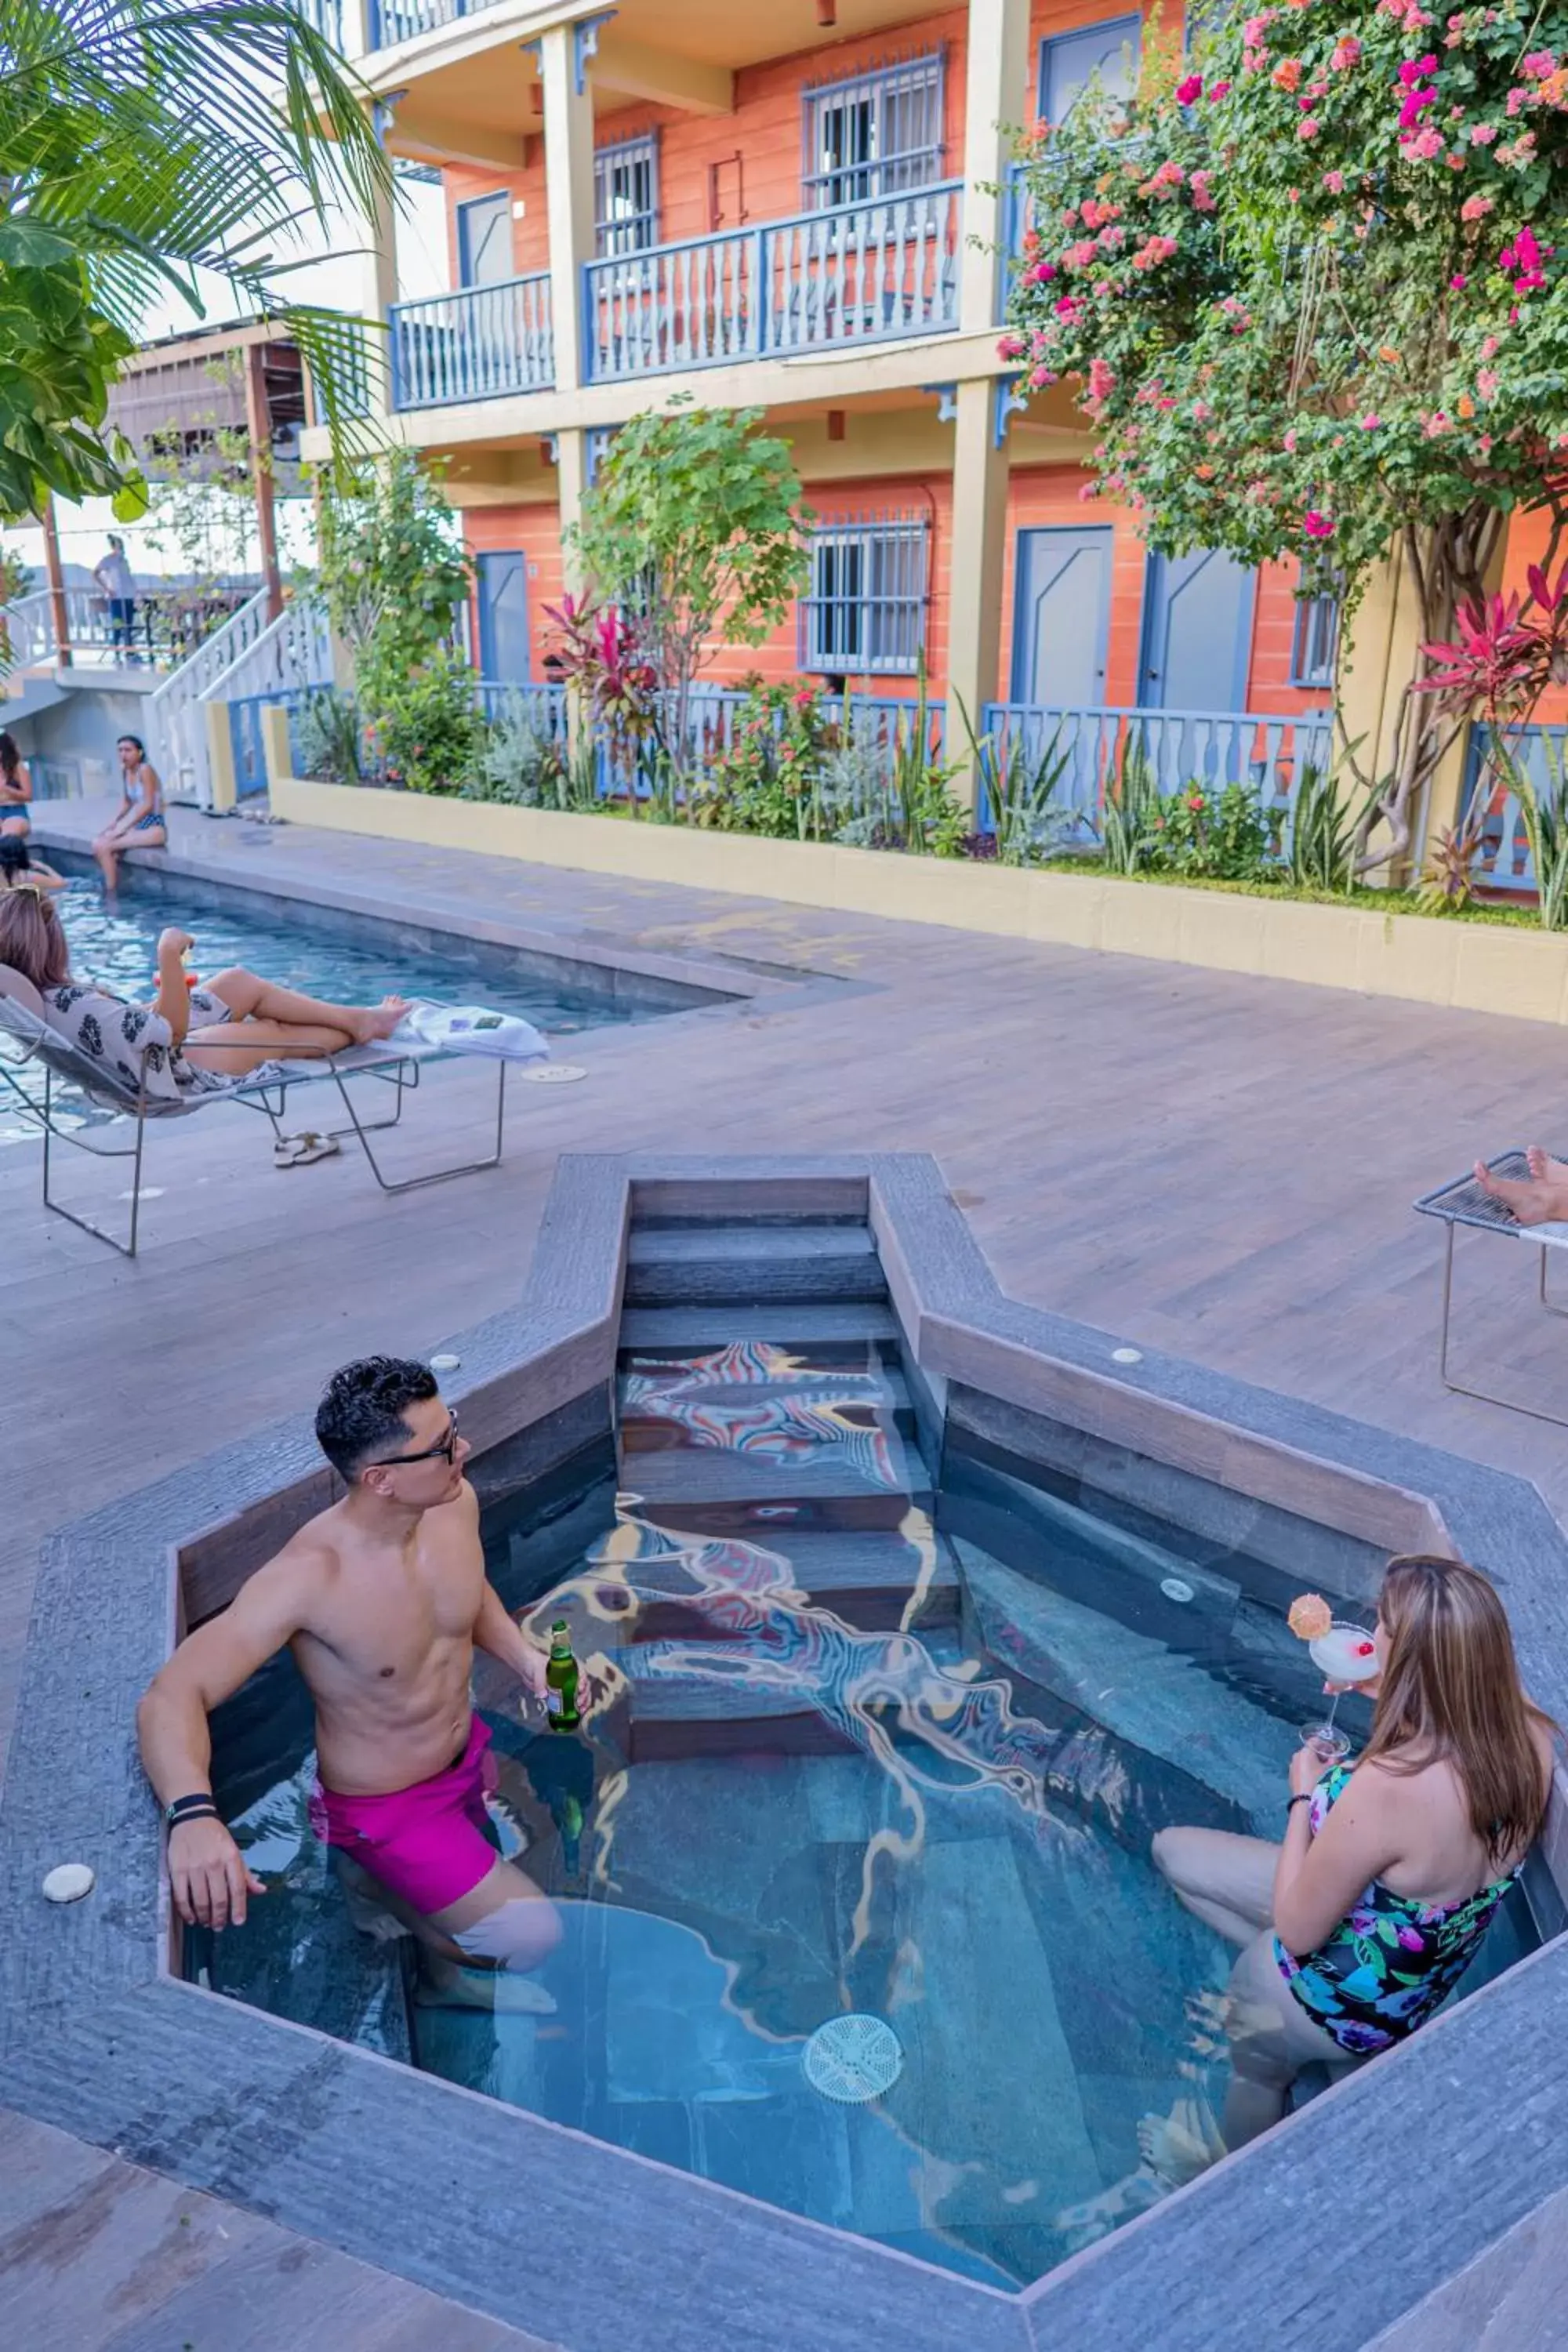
(694, 526)
(395, 580)
(1310, 299)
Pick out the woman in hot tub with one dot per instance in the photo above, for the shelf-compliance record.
(1363, 1920)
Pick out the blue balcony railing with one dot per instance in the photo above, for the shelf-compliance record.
(1086, 747)
(391, 21)
(476, 345)
(859, 273)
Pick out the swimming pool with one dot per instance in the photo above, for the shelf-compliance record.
(855, 1747)
(347, 958)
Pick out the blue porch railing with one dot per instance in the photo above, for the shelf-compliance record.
(855, 274)
(1025, 741)
(245, 740)
(391, 21)
(475, 345)
(1503, 861)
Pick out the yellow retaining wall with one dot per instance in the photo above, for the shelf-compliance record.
(1484, 968)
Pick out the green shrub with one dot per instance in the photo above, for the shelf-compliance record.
(520, 760)
(426, 733)
(327, 737)
(1223, 837)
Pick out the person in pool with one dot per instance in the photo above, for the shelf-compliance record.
(383, 1600)
(16, 789)
(20, 870)
(139, 824)
(1356, 1928)
(186, 1040)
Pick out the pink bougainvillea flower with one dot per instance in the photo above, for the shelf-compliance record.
(1203, 195)
(1538, 65)
(1068, 307)
(1308, 128)
(1371, 423)
(1189, 91)
(1101, 379)
(1486, 381)
(1476, 207)
(1346, 52)
(1316, 525)
(1010, 348)
(1458, 281)
(1287, 74)
(1437, 425)
(1335, 183)
(1289, 441)
(1219, 91)
(1424, 144)
(1414, 69)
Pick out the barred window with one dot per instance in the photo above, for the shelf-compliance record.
(625, 195)
(873, 135)
(866, 606)
(1316, 641)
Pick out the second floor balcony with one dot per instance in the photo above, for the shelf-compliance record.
(874, 271)
(880, 270)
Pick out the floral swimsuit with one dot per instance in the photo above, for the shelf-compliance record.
(1386, 1966)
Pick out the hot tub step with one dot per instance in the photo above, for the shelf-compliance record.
(876, 1463)
(675, 1716)
(867, 1577)
(752, 1262)
(807, 1326)
(743, 1418)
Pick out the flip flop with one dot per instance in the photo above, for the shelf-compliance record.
(300, 1150)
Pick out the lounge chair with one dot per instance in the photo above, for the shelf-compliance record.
(1464, 1202)
(33, 1056)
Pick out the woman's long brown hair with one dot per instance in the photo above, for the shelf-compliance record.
(32, 938)
(10, 757)
(1451, 1693)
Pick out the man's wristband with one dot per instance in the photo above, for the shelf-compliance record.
(198, 1806)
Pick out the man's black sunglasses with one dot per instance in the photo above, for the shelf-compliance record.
(446, 1449)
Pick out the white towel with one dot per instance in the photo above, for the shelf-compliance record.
(471, 1029)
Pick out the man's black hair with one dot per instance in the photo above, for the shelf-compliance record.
(360, 1415)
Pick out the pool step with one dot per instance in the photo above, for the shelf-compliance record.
(677, 1715)
(764, 1417)
(877, 1464)
(850, 1326)
(867, 1578)
(751, 1264)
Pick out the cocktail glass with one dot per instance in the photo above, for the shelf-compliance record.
(1345, 1653)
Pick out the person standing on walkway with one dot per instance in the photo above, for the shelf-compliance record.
(118, 582)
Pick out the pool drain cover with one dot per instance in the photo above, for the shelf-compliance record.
(853, 2058)
(553, 1074)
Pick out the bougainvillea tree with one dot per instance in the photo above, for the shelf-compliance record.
(1312, 287)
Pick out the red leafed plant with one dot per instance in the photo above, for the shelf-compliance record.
(1506, 655)
(601, 653)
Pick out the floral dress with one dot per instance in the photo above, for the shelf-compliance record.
(133, 1044)
(1392, 1960)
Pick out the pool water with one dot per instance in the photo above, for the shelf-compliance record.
(849, 1747)
(117, 946)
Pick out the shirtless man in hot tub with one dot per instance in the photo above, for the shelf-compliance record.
(383, 1599)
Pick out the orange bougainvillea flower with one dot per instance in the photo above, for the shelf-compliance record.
(1309, 1617)
(1466, 406)
(1386, 352)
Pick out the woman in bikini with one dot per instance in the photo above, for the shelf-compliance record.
(140, 819)
(16, 789)
(1360, 1925)
(184, 1040)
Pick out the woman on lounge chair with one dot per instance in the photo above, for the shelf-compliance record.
(186, 1040)
(1357, 1927)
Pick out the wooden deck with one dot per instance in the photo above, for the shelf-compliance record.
(1222, 1167)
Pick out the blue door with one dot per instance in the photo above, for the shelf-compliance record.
(1198, 632)
(484, 241)
(503, 619)
(1061, 617)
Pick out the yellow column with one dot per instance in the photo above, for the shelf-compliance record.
(995, 97)
(997, 66)
(975, 569)
(568, 195)
(220, 757)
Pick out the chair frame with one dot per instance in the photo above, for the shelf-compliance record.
(1462, 1202)
(270, 1097)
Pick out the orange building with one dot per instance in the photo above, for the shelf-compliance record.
(804, 208)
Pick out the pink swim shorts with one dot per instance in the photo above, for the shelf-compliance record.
(427, 1843)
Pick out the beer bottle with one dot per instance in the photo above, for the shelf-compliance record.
(560, 1679)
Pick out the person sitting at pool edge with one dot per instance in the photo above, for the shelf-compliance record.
(1357, 1927)
(383, 1599)
(140, 822)
(20, 870)
(186, 1041)
(16, 789)
(1539, 1199)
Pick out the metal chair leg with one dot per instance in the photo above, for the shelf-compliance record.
(1459, 1388)
(85, 1224)
(364, 1131)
